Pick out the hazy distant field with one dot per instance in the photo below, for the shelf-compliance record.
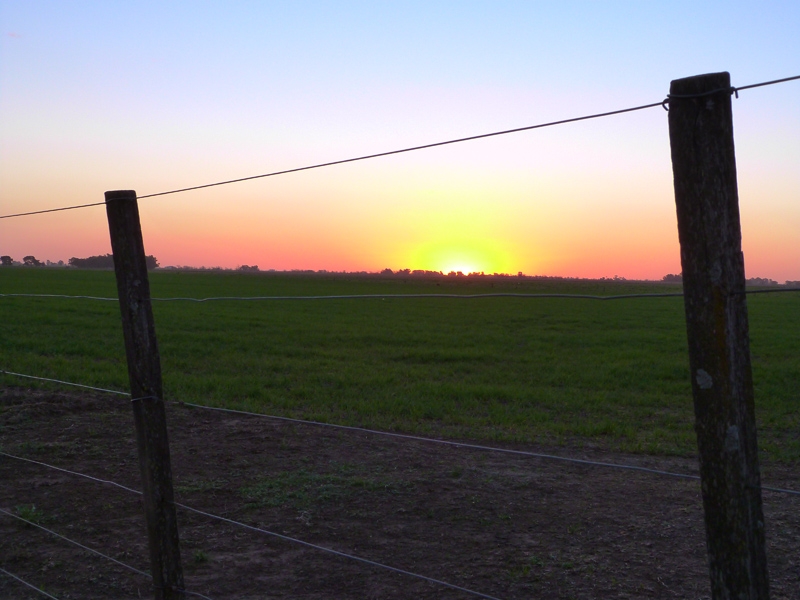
(611, 373)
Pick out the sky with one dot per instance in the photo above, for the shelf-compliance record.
(154, 96)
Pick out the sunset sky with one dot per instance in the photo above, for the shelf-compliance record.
(154, 96)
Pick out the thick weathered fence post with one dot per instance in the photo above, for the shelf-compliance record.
(706, 197)
(144, 372)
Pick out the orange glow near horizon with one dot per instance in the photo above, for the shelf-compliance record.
(545, 247)
(606, 222)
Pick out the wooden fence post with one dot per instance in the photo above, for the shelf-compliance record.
(144, 372)
(706, 198)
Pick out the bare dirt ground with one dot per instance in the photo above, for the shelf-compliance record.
(507, 526)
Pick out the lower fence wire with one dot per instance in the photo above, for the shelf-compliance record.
(79, 545)
(369, 297)
(238, 524)
(406, 436)
(403, 296)
(336, 552)
(87, 387)
(579, 461)
(568, 459)
(30, 585)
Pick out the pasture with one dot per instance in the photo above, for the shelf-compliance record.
(611, 374)
(600, 380)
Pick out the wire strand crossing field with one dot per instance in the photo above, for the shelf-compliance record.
(522, 367)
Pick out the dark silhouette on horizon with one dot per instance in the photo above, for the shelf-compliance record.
(106, 261)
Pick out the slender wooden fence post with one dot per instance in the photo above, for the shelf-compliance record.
(706, 198)
(144, 372)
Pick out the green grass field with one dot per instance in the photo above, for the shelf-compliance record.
(613, 374)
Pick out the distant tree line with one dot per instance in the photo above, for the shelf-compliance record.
(106, 261)
(751, 281)
(762, 281)
(28, 261)
(425, 273)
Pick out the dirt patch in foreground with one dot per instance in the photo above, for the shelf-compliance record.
(506, 526)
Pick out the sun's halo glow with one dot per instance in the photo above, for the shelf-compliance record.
(471, 256)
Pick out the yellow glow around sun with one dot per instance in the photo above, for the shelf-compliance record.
(467, 256)
(456, 228)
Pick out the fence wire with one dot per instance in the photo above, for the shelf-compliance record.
(579, 461)
(337, 553)
(366, 296)
(397, 296)
(87, 387)
(567, 459)
(664, 103)
(358, 158)
(79, 545)
(239, 524)
(30, 585)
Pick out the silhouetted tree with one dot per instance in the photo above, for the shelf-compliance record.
(6, 261)
(761, 281)
(31, 261)
(106, 261)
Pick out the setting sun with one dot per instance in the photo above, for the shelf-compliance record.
(467, 256)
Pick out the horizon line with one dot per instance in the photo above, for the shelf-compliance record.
(407, 272)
